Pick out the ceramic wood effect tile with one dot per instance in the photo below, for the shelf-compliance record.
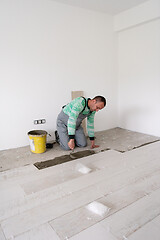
(54, 209)
(10, 193)
(39, 215)
(80, 183)
(42, 232)
(118, 180)
(10, 207)
(95, 232)
(21, 204)
(60, 173)
(2, 237)
(156, 221)
(128, 220)
(37, 182)
(17, 172)
(74, 222)
(49, 181)
(56, 175)
(147, 232)
(80, 219)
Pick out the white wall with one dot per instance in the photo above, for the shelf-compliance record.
(140, 14)
(47, 50)
(139, 68)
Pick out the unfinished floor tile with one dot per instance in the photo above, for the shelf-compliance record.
(117, 139)
(150, 151)
(124, 140)
(63, 159)
(14, 158)
(43, 232)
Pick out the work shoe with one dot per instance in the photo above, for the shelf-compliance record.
(56, 136)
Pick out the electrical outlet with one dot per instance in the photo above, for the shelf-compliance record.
(40, 121)
(43, 121)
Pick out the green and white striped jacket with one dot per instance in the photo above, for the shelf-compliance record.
(77, 110)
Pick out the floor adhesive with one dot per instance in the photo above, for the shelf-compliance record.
(63, 159)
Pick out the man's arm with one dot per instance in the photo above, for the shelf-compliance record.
(93, 145)
(71, 144)
(71, 125)
(90, 129)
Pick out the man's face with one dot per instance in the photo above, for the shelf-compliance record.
(96, 106)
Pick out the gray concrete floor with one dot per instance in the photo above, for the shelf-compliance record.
(115, 139)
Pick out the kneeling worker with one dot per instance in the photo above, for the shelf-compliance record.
(69, 130)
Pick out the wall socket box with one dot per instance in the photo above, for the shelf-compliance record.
(40, 121)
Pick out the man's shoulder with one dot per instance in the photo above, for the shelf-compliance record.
(79, 100)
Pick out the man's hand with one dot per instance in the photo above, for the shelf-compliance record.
(71, 144)
(93, 144)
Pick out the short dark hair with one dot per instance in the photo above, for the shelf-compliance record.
(100, 99)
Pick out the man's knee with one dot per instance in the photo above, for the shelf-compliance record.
(65, 147)
(82, 143)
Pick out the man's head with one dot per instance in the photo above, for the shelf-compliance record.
(97, 103)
